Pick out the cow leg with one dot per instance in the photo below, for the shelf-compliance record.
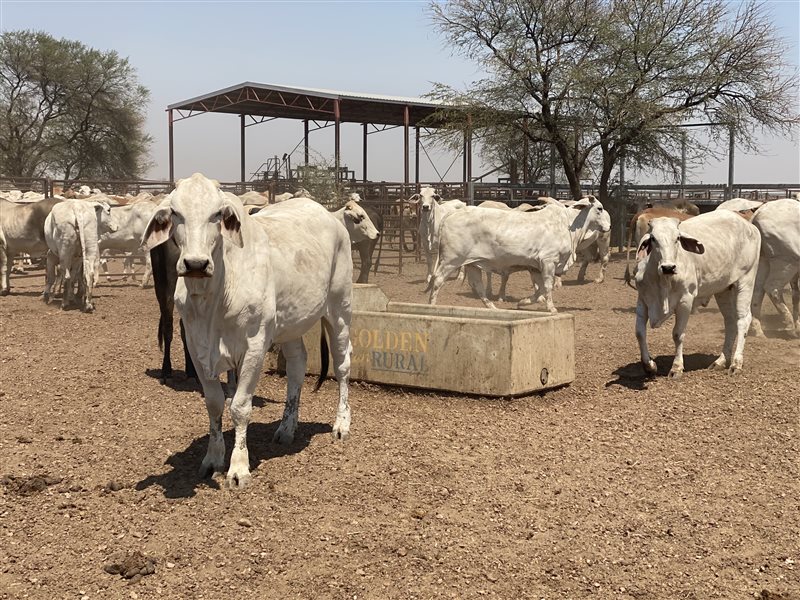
(65, 260)
(582, 270)
(429, 263)
(475, 278)
(148, 271)
(88, 282)
(5, 261)
(549, 279)
(50, 277)
(682, 312)
(295, 354)
(743, 318)
(537, 285)
(440, 275)
(603, 249)
(214, 459)
(795, 283)
(339, 335)
(780, 272)
(726, 301)
(365, 256)
(501, 294)
(758, 296)
(241, 408)
(641, 336)
(104, 268)
(187, 357)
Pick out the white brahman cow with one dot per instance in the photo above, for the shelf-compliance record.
(72, 230)
(542, 242)
(246, 282)
(21, 230)
(357, 222)
(132, 220)
(779, 224)
(683, 263)
(432, 212)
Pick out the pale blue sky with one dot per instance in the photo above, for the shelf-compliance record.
(185, 49)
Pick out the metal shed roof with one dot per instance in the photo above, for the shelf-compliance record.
(288, 102)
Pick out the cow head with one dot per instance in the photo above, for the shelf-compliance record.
(426, 198)
(358, 223)
(592, 218)
(660, 245)
(106, 221)
(198, 216)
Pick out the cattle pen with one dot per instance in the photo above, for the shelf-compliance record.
(606, 488)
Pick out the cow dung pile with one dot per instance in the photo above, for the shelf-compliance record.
(132, 565)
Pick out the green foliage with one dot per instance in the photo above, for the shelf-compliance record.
(70, 111)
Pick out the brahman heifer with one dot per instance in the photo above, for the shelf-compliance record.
(132, 219)
(683, 263)
(21, 230)
(779, 224)
(542, 242)
(637, 229)
(246, 282)
(72, 230)
(364, 226)
(432, 212)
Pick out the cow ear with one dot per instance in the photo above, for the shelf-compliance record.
(231, 224)
(158, 230)
(691, 245)
(644, 247)
(437, 197)
(414, 199)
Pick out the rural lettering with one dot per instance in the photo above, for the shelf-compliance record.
(387, 350)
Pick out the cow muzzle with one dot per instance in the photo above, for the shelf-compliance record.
(668, 268)
(426, 208)
(195, 267)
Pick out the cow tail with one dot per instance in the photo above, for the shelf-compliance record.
(324, 358)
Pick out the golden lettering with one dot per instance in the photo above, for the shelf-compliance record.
(421, 342)
(405, 341)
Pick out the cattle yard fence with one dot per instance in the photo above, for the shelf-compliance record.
(398, 242)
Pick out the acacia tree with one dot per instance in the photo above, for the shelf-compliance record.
(614, 77)
(69, 110)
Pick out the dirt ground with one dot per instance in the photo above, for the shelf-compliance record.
(612, 487)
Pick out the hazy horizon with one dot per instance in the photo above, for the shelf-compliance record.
(186, 49)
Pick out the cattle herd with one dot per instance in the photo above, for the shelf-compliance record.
(245, 273)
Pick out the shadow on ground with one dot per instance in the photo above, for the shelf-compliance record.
(633, 377)
(182, 481)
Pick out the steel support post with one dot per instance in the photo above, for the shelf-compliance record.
(365, 155)
(406, 119)
(305, 140)
(242, 148)
(336, 137)
(171, 148)
(416, 160)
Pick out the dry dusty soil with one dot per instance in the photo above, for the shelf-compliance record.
(612, 487)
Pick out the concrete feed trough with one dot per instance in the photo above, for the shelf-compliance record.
(468, 350)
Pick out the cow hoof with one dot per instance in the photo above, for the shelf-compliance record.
(5, 292)
(207, 470)
(237, 480)
(718, 364)
(341, 432)
(524, 302)
(598, 280)
(756, 333)
(675, 374)
(282, 436)
(650, 368)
